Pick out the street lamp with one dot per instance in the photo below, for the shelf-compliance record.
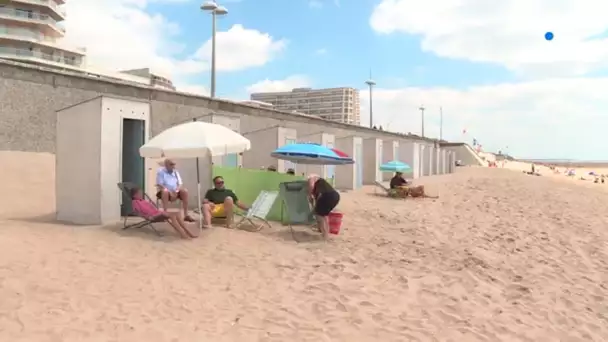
(422, 119)
(215, 10)
(370, 83)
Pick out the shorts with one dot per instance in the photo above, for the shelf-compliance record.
(326, 203)
(159, 195)
(218, 211)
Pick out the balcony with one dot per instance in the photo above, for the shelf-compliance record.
(34, 37)
(40, 57)
(59, 12)
(31, 18)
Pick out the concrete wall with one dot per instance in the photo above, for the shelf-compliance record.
(372, 159)
(30, 96)
(443, 162)
(350, 177)
(409, 153)
(465, 153)
(89, 156)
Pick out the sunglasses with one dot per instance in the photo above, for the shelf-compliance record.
(219, 182)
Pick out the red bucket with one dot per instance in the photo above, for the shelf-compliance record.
(335, 222)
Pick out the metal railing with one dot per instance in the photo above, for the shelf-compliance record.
(10, 51)
(28, 15)
(50, 3)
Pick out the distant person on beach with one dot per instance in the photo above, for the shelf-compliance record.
(324, 198)
(149, 211)
(291, 172)
(402, 188)
(533, 169)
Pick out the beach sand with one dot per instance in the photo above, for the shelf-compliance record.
(500, 256)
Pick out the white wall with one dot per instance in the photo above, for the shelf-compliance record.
(346, 175)
(409, 153)
(372, 159)
(77, 165)
(89, 158)
(112, 114)
(263, 143)
(390, 152)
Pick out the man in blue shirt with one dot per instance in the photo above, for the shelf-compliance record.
(171, 188)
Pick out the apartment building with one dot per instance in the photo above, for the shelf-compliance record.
(151, 78)
(336, 104)
(30, 31)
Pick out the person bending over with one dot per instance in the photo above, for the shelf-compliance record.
(324, 198)
(219, 202)
(150, 212)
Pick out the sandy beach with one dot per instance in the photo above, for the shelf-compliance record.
(500, 256)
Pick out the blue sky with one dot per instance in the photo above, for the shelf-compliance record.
(345, 36)
(487, 65)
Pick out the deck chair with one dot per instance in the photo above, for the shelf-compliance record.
(126, 187)
(387, 190)
(259, 210)
(294, 203)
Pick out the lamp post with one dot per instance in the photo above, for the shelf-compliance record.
(422, 115)
(215, 10)
(370, 83)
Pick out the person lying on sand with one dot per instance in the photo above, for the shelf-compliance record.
(146, 209)
(401, 188)
(219, 202)
(324, 198)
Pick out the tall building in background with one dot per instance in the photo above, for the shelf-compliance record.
(336, 104)
(154, 79)
(30, 31)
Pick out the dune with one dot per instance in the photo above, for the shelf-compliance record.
(500, 256)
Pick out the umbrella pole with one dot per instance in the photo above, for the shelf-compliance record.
(198, 197)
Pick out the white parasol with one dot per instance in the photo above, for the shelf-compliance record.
(195, 139)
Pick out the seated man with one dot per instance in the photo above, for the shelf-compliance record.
(219, 202)
(171, 188)
(398, 181)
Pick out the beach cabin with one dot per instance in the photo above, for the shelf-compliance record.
(443, 161)
(97, 146)
(390, 152)
(325, 139)
(437, 161)
(350, 177)
(409, 153)
(372, 152)
(430, 160)
(263, 142)
(451, 160)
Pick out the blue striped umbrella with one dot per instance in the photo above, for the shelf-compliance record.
(310, 153)
(395, 166)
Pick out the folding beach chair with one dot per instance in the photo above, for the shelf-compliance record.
(294, 200)
(259, 210)
(387, 190)
(126, 187)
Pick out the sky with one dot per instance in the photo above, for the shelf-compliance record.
(484, 64)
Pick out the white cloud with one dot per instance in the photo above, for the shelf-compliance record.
(321, 51)
(287, 84)
(123, 34)
(240, 48)
(543, 119)
(509, 32)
